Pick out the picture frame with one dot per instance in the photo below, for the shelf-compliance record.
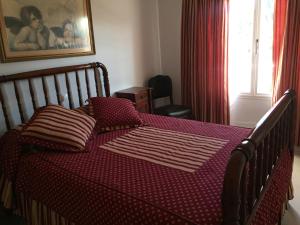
(35, 29)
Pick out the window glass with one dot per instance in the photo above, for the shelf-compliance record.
(265, 62)
(241, 24)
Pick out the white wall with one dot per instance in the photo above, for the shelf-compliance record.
(126, 39)
(247, 110)
(170, 36)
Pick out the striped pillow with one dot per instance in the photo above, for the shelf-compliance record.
(82, 110)
(55, 127)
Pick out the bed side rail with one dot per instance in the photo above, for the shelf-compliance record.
(252, 162)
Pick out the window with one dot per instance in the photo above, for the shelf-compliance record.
(250, 47)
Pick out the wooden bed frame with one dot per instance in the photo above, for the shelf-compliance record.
(273, 134)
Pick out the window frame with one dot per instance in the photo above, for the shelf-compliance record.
(253, 94)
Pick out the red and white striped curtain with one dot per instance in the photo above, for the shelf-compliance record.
(204, 58)
(286, 53)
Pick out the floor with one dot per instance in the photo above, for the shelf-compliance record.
(10, 220)
(291, 217)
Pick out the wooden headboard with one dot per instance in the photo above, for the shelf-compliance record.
(22, 93)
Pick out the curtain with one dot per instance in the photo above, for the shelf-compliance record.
(286, 53)
(204, 55)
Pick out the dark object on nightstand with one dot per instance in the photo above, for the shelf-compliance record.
(162, 87)
(140, 96)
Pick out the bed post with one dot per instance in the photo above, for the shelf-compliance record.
(293, 126)
(105, 78)
(234, 184)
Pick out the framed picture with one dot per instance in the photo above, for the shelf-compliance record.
(39, 29)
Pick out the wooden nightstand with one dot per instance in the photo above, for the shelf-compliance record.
(140, 96)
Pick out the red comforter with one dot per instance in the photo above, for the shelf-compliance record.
(103, 187)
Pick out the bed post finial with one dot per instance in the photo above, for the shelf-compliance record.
(105, 78)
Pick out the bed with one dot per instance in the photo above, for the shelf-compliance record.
(240, 176)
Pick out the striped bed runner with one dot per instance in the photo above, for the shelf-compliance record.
(174, 149)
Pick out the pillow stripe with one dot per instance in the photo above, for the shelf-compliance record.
(87, 121)
(82, 110)
(72, 113)
(91, 109)
(55, 120)
(54, 132)
(61, 116)
(57, 130)
(53, 138)
(76, 120)
(55, 127)
(61, 121)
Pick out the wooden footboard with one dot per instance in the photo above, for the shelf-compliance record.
(252, 163)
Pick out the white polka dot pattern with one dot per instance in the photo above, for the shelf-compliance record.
(113, 113)
(100, 187)
(270, 209)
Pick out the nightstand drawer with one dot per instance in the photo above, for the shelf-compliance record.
(125, 95)
(142, 106)
(140, 96)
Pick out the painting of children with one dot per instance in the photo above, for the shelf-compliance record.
(34, 29)
(67, 36)
(34, 35)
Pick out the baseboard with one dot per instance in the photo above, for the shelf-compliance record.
(2, 211)
(243, 124)
(297, 150)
